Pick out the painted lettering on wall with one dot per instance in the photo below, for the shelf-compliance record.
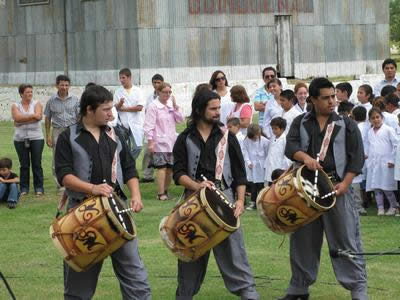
(217, 7)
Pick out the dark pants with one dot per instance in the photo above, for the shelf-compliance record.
(256, 187)
(26, 156)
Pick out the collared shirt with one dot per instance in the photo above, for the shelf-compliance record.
(262, 96)
(133, 120)
(62, 112)
(208, 157)
(101, 153)
(378, 87)
(160, 125)
(353, 142)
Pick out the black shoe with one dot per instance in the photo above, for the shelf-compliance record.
(295, 297)
(11, 205)
(145, 180)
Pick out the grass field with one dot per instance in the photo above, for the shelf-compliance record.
(33, 268)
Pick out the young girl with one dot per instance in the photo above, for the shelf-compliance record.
(255, 149)
(276, 158)
(301, 92)
(365, 96)
(273, 107)
(380, 153)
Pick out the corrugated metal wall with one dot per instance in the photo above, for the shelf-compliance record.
(106, 35)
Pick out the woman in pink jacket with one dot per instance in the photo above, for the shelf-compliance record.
(162, 115)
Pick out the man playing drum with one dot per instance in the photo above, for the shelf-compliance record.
(87, 164)
(341, 157)
(195, 156)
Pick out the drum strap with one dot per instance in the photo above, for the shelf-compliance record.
(326, 141)
(111, 133)
(221, 151)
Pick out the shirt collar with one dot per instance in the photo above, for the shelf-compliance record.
(160, 105)
(81, 127)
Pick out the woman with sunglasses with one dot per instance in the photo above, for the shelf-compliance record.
(219, 85)
(162, 115)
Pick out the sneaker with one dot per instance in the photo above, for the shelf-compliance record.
(391, 211)
(362, 212)
(38, 194)
(23, 194)
(397, 212)
(11, 205)
(251, 206)
(381, 212)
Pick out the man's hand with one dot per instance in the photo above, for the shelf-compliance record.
(49, 142)
(2, 179)
(102, 190)
(136, 204)
(120, 103)
(250, 166)
(206, 183)
(239, 208)
(312, 164)
(341, 188)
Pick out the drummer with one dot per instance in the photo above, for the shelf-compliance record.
(194, 156)
(343, 160)
(84, 160)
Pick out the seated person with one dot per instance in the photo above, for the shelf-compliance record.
(8, 183)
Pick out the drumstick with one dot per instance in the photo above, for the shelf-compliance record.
(316, 180)
(231, 205)
(328, 195)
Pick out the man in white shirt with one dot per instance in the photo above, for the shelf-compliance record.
(389, 68)
(129, 102)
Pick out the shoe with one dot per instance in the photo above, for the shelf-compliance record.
(38, 194)
(11, 205)
(251, 206)
(381, 212)
(23, 194)
(295, 297)
(146, 180)
(362, 212)
(391, 211)
(397, 213)
(162, 197)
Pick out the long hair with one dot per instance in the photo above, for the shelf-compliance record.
(199, 105)
(239, 94)
(213, 80)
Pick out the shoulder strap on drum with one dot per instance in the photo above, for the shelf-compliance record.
(221, 151)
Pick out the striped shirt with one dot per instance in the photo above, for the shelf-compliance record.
(62, 113)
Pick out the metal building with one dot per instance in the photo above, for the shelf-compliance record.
(186, 40)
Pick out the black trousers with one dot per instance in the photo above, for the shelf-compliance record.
(256, 187)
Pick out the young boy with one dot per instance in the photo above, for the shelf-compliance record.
(343, 92)
(8, 183)
(344, 108)
(233, 125)
(359, 114)
(276, 158)
(289, 111)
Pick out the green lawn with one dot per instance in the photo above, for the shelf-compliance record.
(33, 268)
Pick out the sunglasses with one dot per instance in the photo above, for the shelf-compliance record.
(220, 78)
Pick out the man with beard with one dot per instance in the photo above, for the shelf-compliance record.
(195, 155)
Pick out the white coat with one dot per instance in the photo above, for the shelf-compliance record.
(255, 153)
(381, 149)
(276, 158)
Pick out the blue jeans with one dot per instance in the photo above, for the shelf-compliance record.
(9, 192)
(26, 156)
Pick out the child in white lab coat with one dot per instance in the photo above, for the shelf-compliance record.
(255, 150)
(381, 149)
(276, 158)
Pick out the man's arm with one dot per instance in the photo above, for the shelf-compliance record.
(136, 197)
(14, 180)
(135, 108)
(259, 106)
(47, 126)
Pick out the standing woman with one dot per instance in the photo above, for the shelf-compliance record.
(28, 139)
(273, 107)
(301, 92)
(162, 115)
(242, 109)
(219, 85)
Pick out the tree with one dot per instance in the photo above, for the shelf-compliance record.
(395, 22)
